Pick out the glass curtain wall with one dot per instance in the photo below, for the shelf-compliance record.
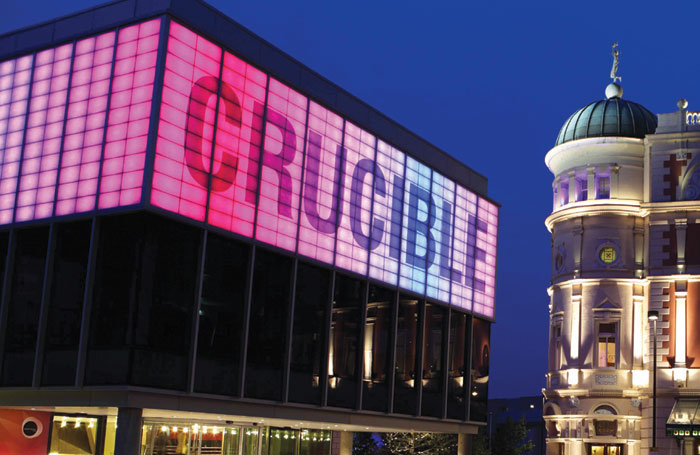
(221, 313)
(343, 355)
(272, 285)
(377, 349)
(405, 390)
(24, 306)
(309, 333)
(434, 337)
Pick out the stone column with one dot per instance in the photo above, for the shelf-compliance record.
(128, 437)
(345, 443)
(464, 444)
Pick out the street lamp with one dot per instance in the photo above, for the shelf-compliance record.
(653, 316)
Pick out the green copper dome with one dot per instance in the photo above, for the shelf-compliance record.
(610, 117)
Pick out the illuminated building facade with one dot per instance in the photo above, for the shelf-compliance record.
(625, 241)
(209, 249)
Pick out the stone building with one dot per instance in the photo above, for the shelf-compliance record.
(625, 244)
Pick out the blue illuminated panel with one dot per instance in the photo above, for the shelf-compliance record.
(415, 233)
(440, 244)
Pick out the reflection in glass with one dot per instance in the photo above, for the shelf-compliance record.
(24, 306)
(480, 369)
(66, 303)
(376, 353)
(459, 338)
(268, 320)
(308, 333)
(434, 332)
(349, 295)
(406, 339)
(221, 316)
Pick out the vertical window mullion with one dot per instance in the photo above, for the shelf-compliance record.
(87, 303)
(194, 336)
(44, 308)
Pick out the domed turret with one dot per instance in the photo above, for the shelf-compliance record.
(610, 117)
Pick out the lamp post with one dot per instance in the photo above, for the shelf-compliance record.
(653, 317)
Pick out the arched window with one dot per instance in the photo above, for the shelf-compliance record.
(605, 410)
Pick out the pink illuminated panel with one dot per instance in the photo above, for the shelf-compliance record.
(387, 208)
(322, 172)
(237, 150)
(42, 144)
(85, 120)
(354, 231)
(485, 273)
(183, 150)
(440, 246)
(15, 78)
(463, 249)
(129, 115)
(280, 179)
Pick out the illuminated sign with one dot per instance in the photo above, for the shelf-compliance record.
(237, 149)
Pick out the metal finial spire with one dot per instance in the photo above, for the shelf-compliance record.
(616, 61)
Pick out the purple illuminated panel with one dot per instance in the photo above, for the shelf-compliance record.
(464, 241)
(280, 179)
(440, 244)
(318, 224)
(15, 78)
(387, 210)
(42, 144)
(485, 254)
(354, 231)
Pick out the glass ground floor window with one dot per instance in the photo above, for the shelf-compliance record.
(82, 435)
(173, 438)
(606, 449)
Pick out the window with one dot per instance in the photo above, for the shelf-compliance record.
(458, 350)
(65, 307)
(607, 352)
(581, 188)
(349, 295)
(564, 193)
(272, 283)
(308, 334)
(557, 356)
(433, 341)
(24, 305)
(221, 310)
(377, 348)
(603, 187)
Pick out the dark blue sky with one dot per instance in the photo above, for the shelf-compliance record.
(490, 83)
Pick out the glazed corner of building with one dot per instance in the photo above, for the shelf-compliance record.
(471, 378)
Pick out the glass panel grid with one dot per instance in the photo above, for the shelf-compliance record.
(85, 120)
(129, 116)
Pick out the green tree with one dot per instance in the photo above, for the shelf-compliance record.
(509, 438)
(364, 444)
(419, 443)
(480, 443)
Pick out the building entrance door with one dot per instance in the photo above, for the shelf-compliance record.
(606, 449)
(178, 438)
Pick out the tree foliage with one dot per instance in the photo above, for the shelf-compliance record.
(419, 443)
(509, 438)
(365, 444)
